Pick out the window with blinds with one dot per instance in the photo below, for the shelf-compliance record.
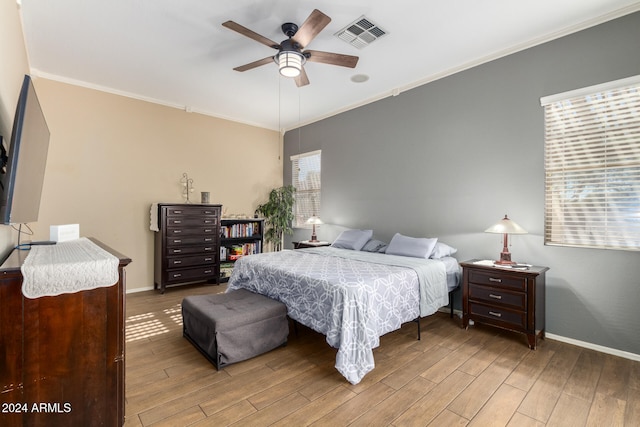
(305, 170)
(592, 166)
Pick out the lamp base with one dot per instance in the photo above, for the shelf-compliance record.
(505, 259)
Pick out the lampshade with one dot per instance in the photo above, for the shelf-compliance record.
(290, 63)
(314, 220)
(505, 227)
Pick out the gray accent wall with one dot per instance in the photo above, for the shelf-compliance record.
(450, 158)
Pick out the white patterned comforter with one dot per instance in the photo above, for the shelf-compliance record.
(351, 297)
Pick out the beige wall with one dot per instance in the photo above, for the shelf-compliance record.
(13, 67)
(110, 157)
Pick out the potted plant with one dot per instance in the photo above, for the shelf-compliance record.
(278, 213)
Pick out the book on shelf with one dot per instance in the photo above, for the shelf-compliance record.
(244, 229)
(236, 251)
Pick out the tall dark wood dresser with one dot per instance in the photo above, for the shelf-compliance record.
(187, 245)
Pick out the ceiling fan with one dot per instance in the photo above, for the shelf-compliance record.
(290, 57)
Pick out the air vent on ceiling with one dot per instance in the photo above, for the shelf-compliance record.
(361, 32)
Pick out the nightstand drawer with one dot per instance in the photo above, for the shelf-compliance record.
(497, 296)
(498, 278)
(499, 315)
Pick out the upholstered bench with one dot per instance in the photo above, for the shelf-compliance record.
(234, 326)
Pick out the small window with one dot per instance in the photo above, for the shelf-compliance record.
(305, 169)
(592, 166)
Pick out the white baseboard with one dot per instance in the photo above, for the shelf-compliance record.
(583, 344)
(596, 347)
(136, 290)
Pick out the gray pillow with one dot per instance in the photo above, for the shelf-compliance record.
(417, 247)
(374, 245)
(442, 250)
(352, 239)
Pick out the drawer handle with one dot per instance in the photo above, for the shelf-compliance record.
(208, 239)
(178, 212)
(177, 262)
(177, 241)
(207, 272)
(177, 275)
(208, 230)
(207, 221)
(177, 251)
(494, 296)
(177, 231)
(177, 221)
(493, 313)
(208, 259)
(493, 279)
(208, 249)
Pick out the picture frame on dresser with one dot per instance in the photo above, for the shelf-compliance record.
(187, 244)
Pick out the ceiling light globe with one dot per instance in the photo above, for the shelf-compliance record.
(290, 64)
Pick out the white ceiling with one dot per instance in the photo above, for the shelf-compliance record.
(177, 53)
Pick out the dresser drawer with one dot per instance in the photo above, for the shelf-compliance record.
(498, 279)
(191, 240)
(187, 261)
(186, 250)
(190, 221)
(498, 315)
(192, 211)
(190, 231)
(498, 296)
(190, 274)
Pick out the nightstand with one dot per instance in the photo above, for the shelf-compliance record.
(308, 244)
(506, 298)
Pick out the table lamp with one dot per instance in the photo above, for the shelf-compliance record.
(314, 220)
(506, 227)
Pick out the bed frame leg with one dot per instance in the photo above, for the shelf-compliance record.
(417, 320)
(295, 325)
(451, 293)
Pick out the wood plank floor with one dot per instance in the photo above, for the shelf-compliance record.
(476, 377)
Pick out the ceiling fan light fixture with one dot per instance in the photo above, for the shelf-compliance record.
(290, 63)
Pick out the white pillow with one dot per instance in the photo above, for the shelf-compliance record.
(417, 247)
(353, 239)
(442, 250)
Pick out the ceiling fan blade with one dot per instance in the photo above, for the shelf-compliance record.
(331, 58)
(254, 64)
(302, 79)
(251, 34)
(311, 27)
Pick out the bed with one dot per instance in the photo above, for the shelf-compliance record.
(352, 297)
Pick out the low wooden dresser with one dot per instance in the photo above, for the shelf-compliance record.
(511, 299)
(187, 245)
(62, 358)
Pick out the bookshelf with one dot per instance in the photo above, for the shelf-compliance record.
(238, 238)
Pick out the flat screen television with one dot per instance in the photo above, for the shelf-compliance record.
(22, 176)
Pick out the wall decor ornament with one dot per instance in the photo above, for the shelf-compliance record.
(187, 184)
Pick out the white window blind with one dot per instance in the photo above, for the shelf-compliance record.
(592, 167)
(305, 170)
